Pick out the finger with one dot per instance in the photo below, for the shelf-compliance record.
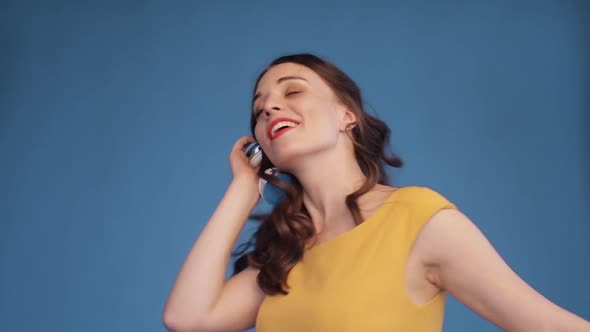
(243, 142)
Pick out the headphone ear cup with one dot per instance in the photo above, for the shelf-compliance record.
(256, 159)
(254, 153)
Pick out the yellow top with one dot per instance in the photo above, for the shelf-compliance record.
(356, 281)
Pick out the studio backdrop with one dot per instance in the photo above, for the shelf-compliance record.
(117, 119)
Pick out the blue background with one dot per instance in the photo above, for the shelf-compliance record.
(116, 121)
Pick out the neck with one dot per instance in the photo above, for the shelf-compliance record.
(325, 187)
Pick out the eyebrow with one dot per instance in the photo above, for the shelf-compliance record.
(280, 80)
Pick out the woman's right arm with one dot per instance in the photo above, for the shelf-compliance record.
(201, 300)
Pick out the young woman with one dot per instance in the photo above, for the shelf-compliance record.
(343, 251)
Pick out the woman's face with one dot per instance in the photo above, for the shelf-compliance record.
(297, 114)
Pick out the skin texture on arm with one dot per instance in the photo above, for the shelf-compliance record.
(460, 259)
(237, 307)
(200, 299)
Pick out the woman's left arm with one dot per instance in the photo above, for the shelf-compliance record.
(461, 260)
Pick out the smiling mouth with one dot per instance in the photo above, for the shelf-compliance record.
(280, 126)
(280, 132)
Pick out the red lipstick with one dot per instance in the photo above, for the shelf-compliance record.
(274, 122)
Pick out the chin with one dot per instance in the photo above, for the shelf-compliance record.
(285, 161)
(292, 154)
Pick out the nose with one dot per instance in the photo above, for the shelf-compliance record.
(270, 106)
(268, 112)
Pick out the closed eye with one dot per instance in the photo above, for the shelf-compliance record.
(288, 93)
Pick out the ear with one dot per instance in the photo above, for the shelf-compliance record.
(348, 120)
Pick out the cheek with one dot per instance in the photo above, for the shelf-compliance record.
(326, 118)
(259, 132)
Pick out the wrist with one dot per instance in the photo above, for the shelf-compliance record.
(244, 181)
(246, 188)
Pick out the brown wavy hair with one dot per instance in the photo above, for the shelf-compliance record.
(280, 240)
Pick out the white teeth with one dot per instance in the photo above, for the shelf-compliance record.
(282, 124)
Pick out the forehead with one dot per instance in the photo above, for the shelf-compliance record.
(270, 78)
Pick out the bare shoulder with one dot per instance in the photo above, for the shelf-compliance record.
(462, 261)
(442, 232)
(423, 282)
